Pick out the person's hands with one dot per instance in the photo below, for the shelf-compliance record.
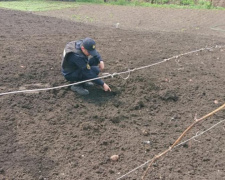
(106, 87)
(101, 65)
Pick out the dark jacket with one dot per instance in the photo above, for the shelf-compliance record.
(79, 63)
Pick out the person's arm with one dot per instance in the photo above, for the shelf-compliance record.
(87, 71)
(90, 73)
(106, 87)
(101, 62)
(97, 61)
(98, 56)
(101, 65)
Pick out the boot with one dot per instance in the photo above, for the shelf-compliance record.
(79, 89)
(88, 84)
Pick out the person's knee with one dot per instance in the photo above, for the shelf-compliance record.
(75, 76)
(70, 79)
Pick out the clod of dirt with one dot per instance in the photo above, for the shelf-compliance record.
(41, 178)
(117, 103)
(2, 171)
(89, 126)
(169, 95)
(138, 105)
(114, 157)
(116, 119)
(117, 90)
(145, 132)
(111, 171)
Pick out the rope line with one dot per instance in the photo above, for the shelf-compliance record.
(198, 134)
(216, 28)
(113, 74)
(51, 88)
(181, 137)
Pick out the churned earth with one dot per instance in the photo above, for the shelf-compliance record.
(59, 135)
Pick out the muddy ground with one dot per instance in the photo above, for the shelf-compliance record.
(57, 134)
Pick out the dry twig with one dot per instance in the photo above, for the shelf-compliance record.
(180, 138)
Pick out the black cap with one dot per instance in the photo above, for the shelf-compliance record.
(90, 45)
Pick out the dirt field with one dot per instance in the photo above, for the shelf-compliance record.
(59, 135)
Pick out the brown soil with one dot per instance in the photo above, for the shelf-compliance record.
(58, 134)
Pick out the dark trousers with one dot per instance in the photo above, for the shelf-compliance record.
(77, 75)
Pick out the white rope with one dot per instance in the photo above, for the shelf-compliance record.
(197, 134)
(216, 28)
(51, 88)
(110, 75)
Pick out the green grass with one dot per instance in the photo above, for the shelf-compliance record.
(176, 4)
(187, 4)
(36, 5)
(83, 18)
(45, 5)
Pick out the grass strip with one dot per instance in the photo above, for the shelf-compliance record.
(37, 5)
